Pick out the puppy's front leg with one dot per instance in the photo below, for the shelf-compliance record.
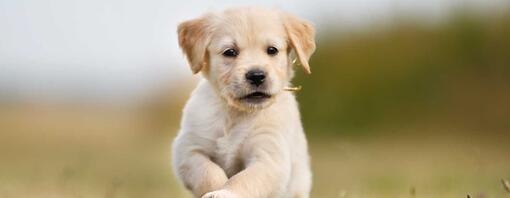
(267, 170)
(200, 174)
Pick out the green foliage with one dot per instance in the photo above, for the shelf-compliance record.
(409, 73)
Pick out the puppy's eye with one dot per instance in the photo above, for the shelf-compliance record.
(230, 53)
(272, 51)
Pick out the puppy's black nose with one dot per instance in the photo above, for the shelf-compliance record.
(255, 77)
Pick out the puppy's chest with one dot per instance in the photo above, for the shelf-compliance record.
(227, 153)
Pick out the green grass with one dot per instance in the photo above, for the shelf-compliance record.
(115, 153)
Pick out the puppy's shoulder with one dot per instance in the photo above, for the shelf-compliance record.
(202, 95)
(204, 107)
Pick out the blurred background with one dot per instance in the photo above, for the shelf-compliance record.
(407, 98)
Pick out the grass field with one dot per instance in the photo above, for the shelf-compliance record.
(102, 152)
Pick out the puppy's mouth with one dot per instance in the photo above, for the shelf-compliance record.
(256, 97)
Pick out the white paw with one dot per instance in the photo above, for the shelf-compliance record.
(220, 194)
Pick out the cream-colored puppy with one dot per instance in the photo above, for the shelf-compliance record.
(241, 134)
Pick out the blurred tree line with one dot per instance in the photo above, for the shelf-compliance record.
(454, 74)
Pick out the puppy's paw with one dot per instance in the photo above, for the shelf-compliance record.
(220, 194)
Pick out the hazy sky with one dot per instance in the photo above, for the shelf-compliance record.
(104, 49)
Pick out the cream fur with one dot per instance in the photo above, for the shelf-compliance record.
(230, 148)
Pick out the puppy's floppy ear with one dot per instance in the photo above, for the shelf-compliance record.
(302, 38)
(194, 36)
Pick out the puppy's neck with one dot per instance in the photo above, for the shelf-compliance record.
(235, 111)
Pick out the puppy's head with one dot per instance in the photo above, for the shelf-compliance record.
(245, 53)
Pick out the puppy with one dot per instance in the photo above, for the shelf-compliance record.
(241, 134)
